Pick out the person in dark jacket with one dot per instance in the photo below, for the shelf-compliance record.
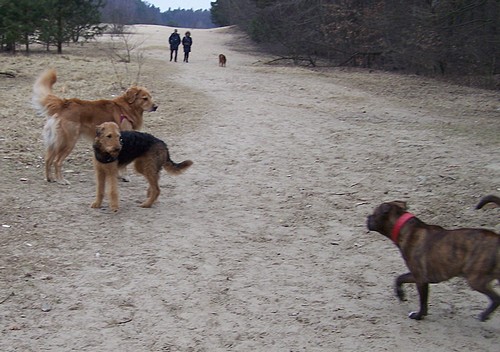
(174, 40)
(187, 41)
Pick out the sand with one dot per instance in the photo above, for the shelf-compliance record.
(262, 244)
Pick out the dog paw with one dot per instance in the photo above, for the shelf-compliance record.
(483, 317)
(400, 294)
(415, 315)
(95, 205)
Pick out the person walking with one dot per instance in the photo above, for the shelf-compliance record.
(174, 40)
(187, 41)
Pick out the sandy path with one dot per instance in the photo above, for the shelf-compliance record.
(262, 245)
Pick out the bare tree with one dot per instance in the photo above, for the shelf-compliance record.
(126, 55)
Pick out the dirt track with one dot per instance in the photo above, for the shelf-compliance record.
(262, 244)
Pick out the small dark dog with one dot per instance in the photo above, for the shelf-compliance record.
(434, 254)
(114, 150)
(488, 199)
(222, 60)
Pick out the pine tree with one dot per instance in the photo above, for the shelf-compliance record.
(68, 20)
(48, 21)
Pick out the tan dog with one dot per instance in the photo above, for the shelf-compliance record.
(114, 149)
(222, 60)
(67, 119)
(434, 254)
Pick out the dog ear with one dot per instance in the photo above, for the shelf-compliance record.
(385, 208)
(403, 205)
(131, 94)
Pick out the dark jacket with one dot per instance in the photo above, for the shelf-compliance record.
(187, 42)
(174, 41)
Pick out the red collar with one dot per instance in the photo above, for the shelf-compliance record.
(399, 224)
(123, 117)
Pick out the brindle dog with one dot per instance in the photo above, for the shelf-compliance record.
(434, 254)
(114, 150)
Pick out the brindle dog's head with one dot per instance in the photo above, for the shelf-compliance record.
(385, 216)
(108, 139)
(140, 98)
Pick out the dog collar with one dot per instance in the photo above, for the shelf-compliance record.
(123, 117)
(104, 158)
(403, 219)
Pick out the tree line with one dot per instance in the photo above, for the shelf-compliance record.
(56, 22)
(47, 22)
(138, 12)
(449, 37)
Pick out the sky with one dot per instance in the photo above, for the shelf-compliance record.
(183, 4)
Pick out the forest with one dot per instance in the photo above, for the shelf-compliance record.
(141, 12)
(47, 22)
(432, 37)
(449, 38)
(53, 23)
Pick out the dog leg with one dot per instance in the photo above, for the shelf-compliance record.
(485, 288)
(100, 179)
(50, 139)
(113, 191)
(123, 175)
(61, 155)
(400, 280)
(68, 136)
(153, 190)
(152, 174)
(49, 160)
(423, 291)
(58, 169)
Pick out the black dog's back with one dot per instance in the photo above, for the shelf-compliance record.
(136, 144)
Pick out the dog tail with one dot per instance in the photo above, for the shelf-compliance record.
(43, 100)
(176, 168)
(50, 132)
(488, 199)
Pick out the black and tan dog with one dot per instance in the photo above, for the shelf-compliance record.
(434, 254)
(114, 150)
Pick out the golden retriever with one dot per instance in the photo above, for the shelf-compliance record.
(67, 119)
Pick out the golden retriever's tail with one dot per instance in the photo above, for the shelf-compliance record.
(488, 199)
(176, 168)
(43, 100)
(50, 133)
(47, 104)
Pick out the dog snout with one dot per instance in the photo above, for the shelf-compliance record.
(154, 107)
(370, 223)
